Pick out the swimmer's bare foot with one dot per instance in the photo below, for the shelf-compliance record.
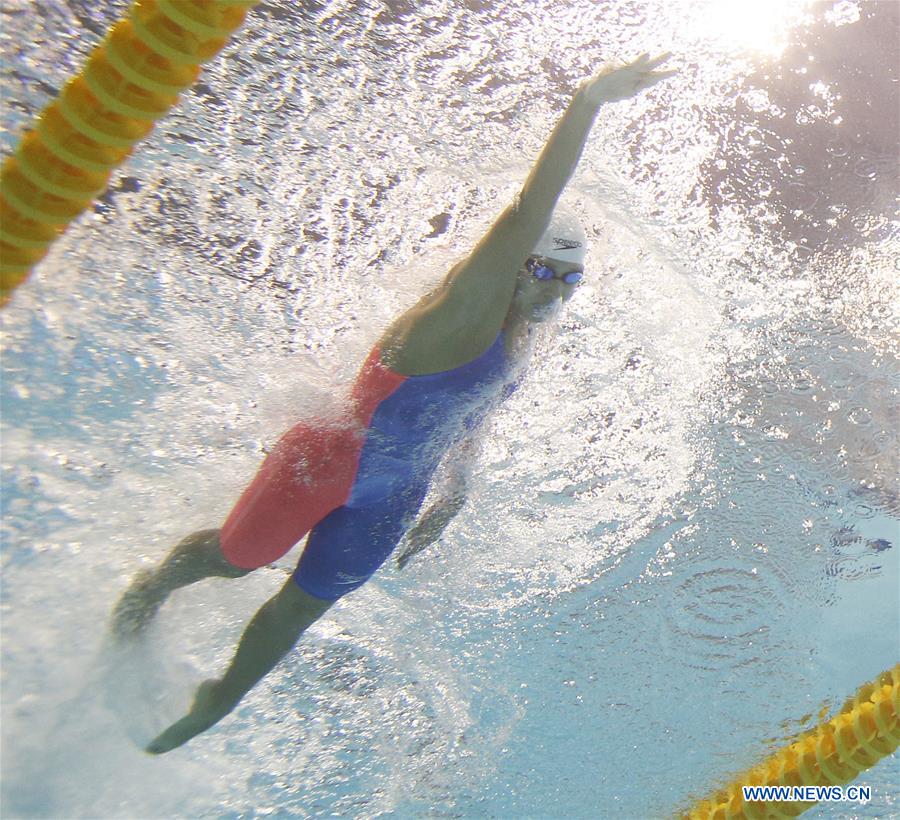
(194, 558)
(137, 606)
(207, 710)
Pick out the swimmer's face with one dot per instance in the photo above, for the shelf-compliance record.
(538, 300)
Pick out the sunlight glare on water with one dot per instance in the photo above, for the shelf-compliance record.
(761, 28)
(682, 532)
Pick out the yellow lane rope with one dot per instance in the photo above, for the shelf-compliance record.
(132, 79)
(865, 730)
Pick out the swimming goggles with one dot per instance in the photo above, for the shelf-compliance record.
(545, 273)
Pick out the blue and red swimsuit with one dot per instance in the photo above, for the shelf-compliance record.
(355, 487)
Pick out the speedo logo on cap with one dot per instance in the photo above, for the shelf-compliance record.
(561, 244)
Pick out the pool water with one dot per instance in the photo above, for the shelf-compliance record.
(682, 540)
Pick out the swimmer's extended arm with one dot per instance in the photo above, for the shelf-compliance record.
(462, 318)
(563, 149)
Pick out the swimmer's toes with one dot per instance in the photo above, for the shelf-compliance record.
(158, 746)
(205, 713)
(176, 735)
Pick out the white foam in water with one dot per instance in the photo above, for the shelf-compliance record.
(682, 534)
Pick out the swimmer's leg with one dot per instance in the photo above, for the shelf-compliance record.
(196, 557)
(272, 633)
(366, 536)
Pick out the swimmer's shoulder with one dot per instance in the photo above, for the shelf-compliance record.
(460, 320)
(434, 337)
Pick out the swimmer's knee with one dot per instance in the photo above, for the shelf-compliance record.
(206, 545)
(227, 569)
(202, 540)
(300, 602)
(317, 590)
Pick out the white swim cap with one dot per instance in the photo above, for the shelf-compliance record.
(564, 238)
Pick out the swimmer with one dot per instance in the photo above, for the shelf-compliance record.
(356, 487)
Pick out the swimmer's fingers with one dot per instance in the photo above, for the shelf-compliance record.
(644, 67)
(648, 64)
(409, 553)
(654, 77)
(645, 62)
(621, 82)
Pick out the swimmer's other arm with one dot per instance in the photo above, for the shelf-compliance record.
(432, 523)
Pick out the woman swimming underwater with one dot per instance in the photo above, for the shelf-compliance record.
(356, 487)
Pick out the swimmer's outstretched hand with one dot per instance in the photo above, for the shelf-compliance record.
(207, 710)
(615, 83)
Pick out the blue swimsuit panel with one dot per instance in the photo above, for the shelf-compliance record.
(408, 435)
